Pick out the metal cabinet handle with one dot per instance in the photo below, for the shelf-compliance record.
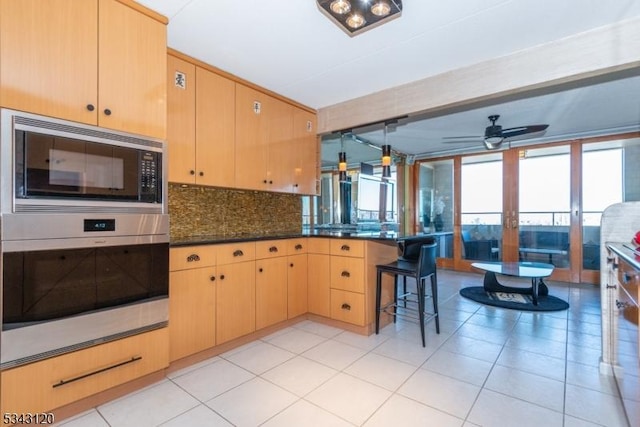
(107, 112)
(108, 368)
(238, 253)
(273, 249)
(260, 270)
(193, 258)
(622, 304)
(346, 274)
(90, 107)
(346, 306)
(212, 278)
(222, 277)
(291, 265)
(298, 247)
(345, 248)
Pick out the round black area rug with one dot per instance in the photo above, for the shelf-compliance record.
(513, 301)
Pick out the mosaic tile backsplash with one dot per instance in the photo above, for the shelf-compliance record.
(207, 211)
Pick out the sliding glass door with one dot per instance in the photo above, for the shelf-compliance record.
(544, 205)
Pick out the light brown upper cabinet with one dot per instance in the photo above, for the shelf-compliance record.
(264, 131)
(100, 62)
(200, 125)
(305, 148)
(215, 129)
(181, 120)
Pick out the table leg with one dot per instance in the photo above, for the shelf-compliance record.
(534, 290)
(538, 287)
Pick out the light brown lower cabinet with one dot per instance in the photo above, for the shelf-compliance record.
(271, 291)
(57, 381)
(318, 276)
(235, 300)
(297, 285)
(192, 311)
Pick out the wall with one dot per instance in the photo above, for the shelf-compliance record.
(208, 211)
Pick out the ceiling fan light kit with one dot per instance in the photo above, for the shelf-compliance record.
(356, 16)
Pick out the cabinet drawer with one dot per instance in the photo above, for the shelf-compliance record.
(347, 247)
(629, 279)
(271, 249)
(230, 253)
(51, 383)
(347, 274)
(347, 307)
(319, 246)
(297, 246)
(187, 257)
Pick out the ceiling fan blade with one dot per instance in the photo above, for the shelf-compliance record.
(477, 140)
(478, 137)
(522, 130)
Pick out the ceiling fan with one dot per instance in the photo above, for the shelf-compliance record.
(494, 135)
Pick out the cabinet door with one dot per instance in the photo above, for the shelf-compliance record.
(318, 284)
(305, 149)
(48, 56)
(271, 291)
(132, 70)
(235, 300)
(252, 136)
(281, 147)
(181, 120)
(215, 129)
(297, 285)
(192, 304)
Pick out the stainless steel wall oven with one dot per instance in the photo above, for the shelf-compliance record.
(84, 236)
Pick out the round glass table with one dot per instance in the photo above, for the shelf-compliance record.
(534, 270)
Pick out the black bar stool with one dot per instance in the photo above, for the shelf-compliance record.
(420, 271)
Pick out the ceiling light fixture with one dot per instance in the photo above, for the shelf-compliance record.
(386, 156)
(342, 161)
(381, 8)
(356, 16)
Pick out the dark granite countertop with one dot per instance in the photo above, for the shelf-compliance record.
(391, 237)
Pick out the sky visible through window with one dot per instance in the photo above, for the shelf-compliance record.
(544, 194)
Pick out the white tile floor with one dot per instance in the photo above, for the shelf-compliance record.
(488, 367)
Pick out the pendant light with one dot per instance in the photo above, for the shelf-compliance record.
(342, 161)
(386, 156)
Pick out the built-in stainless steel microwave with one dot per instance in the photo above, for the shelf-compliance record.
(52, 165)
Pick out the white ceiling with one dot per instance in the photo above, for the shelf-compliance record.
(296, 51)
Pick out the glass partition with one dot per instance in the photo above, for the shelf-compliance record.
(435, 203)
(610, 175)
(481, 210)
(545, 205)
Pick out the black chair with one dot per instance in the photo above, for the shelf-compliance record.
(420, 271)
(482, 250)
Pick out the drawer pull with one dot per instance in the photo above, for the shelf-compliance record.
(346, 274)
(273, 249)
(238, 253)
(212, 278)
(346, 306)
(222, 277)
(298, 247)
(291, 265)
(260, 270)
(345, 248)
(193, 258)
(108, 368)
